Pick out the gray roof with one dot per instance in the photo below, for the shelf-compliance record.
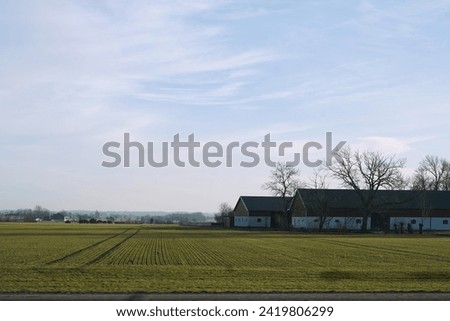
(265, 203)
(394, 199)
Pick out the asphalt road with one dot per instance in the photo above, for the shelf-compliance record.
(328, 296)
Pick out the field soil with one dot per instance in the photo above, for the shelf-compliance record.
(117, 258)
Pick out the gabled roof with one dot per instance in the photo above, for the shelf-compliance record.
(394, 199)
(265, 203)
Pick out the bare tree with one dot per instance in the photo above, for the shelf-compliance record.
(432, 174)
(320, 204)
(318, 179)
(224, 210)
(424, 203)
(446, 177)
(366, 173)
(41, 212)
(284, 181)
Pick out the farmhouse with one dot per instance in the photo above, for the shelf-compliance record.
(339, 209)
(260, 211)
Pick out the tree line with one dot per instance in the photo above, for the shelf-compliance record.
(39, 213)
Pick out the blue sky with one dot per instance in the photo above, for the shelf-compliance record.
(77, 74)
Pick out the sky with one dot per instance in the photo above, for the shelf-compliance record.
(75, 75)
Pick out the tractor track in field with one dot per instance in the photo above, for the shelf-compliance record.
(65, 257)
(111, 249)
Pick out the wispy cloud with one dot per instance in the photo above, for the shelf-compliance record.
(77, 74)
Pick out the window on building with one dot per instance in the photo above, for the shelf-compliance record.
(336, 221)
(358, 221)
(258, 220)
(445, 222)
(413, 222)
(316, 220)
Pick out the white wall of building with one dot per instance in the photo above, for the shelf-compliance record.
(429, 223)
(259, 221)
(331, 223)
(354, 223)
(252, 221)
(241, 221)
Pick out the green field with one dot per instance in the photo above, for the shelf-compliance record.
(55, 257)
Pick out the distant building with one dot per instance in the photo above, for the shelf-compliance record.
(260, 211)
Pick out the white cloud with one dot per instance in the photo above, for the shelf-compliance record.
(388, 145)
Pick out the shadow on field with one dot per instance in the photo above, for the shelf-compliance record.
(342, 275)
(337, 275)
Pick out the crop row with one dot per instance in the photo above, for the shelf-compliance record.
(147, 249)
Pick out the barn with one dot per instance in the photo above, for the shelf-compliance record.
(394, 210)
(326, 209)
(260, 211)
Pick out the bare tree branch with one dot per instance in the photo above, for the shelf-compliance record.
(224, 210)
(432, 174)
(368, 170)
(283, 181)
